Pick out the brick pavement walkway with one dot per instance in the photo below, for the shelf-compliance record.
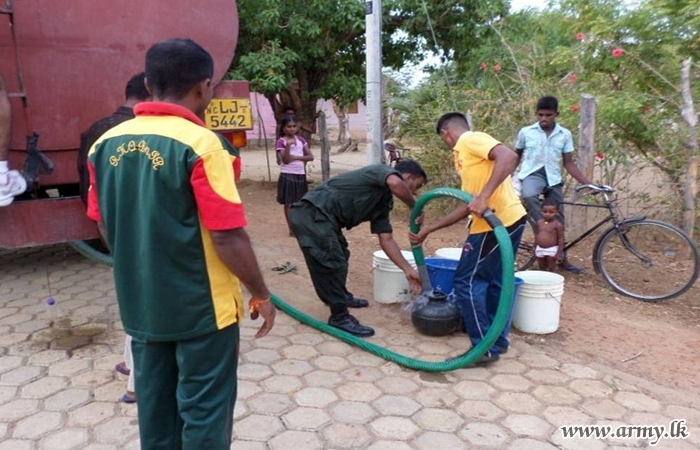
(299, 389)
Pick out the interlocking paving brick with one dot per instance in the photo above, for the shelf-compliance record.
(68, 439)
(548, 376)
(556, 395)
(282, 384)
(69, 367)
(484, 434)
(323, 378)
(389, 445)
(306, 419)
(261, 356)
(301, 352)
(91, 414)
(8, 363)
(334, 348)
(479, 409)
(40, 423)
(353, 412)
(435, 397)
(16, 444)
(44, 387)
(269, 341)
(397, 385)
(269, 403)
(67, 399)
(346, 435)
(538, 360)
(692, 416)
(509, 366)
(637, 402)
(518, 403)
(110, 392)
(591, 388)
(296, 440)
(579, 371)
(7, 393)
(395, 428)
(565, 415)
(117, 430)
(3, 430)
(578, 443)
(511, 383)
(292, 367)
(527, 425)
(604, 409)
(331, 363)
(300, 338)
(364, 374)
(396, 405)
(435, 440)
(21, 375)
(358, 391)
(316, 397)
(530, 444)
(254, 372)
(47, 357)
(247, 389)
(14, 319)
(16, 409)
(435, 419)
(474, 390)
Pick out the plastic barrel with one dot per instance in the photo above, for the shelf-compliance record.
(450, 253)
(538, 302)
(442, 273)
(390, 284)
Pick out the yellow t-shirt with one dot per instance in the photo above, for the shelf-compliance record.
(474, 167)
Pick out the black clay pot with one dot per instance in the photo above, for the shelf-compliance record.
(438, 317)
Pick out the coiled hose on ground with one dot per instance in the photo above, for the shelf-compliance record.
(468, 358)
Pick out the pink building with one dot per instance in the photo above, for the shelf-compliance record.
(358, 125)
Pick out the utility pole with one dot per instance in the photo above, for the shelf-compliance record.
(375, 126)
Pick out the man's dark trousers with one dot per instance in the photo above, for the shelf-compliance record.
(186, 391)
(325, 251)
(477, 284)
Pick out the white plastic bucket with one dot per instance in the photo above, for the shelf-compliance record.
(538, 303)
(390, 284)
(454, 253)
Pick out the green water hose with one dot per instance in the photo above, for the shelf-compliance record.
(468, 358)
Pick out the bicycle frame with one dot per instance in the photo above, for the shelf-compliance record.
(611, 218)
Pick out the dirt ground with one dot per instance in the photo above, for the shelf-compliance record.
(596, 323)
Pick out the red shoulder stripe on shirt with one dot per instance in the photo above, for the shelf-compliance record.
(93, 209)
(215, 212)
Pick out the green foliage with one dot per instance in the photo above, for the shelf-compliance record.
(534, 53)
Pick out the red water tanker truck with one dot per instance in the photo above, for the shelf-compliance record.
(65, 65)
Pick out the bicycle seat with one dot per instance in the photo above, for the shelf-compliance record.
(596, 189)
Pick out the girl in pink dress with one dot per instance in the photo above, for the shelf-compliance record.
(292, 155)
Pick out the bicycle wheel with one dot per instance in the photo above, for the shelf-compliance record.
(647, 260)
(524, 257)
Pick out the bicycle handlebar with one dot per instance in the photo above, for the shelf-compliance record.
(596, 189)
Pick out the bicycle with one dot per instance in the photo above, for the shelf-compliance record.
(641, 258)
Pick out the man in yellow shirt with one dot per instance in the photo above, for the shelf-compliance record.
(484, 165)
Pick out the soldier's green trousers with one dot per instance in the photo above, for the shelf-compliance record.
(325, 251)
(186, 391)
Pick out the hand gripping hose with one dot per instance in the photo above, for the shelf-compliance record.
(458, 362)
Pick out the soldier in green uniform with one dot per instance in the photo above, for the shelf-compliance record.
(345, 201)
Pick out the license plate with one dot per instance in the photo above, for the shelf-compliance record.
(229, 114)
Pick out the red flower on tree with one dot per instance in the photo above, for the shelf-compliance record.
(617, 52)
(646, 109)
(574, 107)
(599, 156)
(483, 66)
(497, 67)
(572, 78)
(579, 36)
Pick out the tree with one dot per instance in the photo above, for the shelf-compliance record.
(296, 52)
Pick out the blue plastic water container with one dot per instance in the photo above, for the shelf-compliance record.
(442, 273)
